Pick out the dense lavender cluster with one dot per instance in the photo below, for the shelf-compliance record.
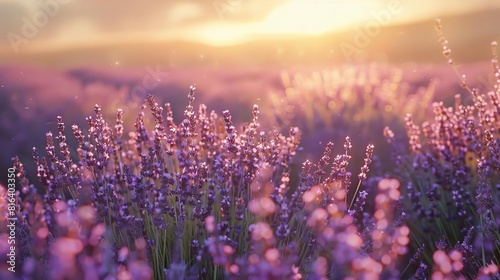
(188, 200)
(202, 199)
(452, 185)
(199, 199)
(451, 173)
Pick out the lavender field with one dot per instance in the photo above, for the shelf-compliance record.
(250, 140)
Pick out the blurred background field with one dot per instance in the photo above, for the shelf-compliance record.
(288, 56)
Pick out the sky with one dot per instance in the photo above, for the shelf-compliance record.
(47, 25)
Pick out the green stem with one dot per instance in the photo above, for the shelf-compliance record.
(354, 197)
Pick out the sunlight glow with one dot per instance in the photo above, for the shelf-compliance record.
(317, 16)
(181, 20)
(294, 17)
(307, 17)
(217, 34)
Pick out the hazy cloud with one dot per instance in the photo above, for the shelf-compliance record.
(94, 22)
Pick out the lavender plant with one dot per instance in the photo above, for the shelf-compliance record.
(199, 199)
(451, 199)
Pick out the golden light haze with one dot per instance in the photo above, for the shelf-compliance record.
(218, 22)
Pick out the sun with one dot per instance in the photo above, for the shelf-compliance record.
(299, 17)
(314, 17)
